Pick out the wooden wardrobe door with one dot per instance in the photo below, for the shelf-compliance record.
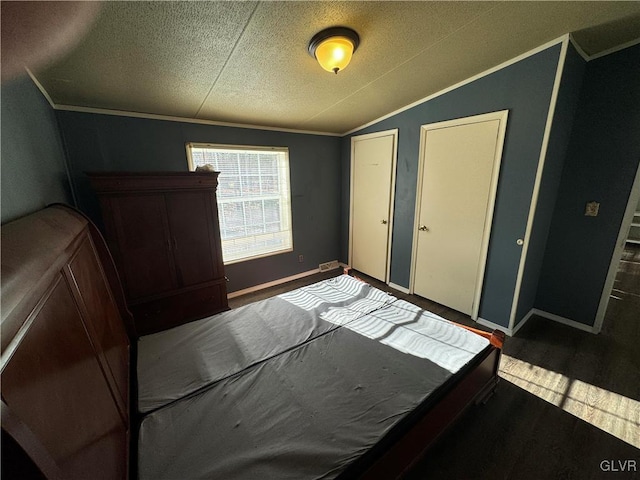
(192, 219)
(163, 231)
(142, 231)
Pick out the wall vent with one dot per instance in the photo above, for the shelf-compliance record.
(332, 265)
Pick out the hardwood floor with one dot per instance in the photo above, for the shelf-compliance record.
(568, 399)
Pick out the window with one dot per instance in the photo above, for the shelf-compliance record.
(254, 201)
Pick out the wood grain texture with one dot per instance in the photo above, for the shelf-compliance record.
(24, 284)
(54, 383)
(102, 321)
(162, 228)
(142, 242)
(65, 354)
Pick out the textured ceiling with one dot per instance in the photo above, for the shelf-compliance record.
(247, 62)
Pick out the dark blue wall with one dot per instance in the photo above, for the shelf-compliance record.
(601, 163)
(33, 165)
(113, 143)
(523, 88)
(566, 105)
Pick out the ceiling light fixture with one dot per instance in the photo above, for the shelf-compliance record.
(334, 47)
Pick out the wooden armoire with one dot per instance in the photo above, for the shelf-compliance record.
(163, 231)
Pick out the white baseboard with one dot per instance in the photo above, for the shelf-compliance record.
(391, 284)
(399, 288)
(522, 322)
(495, 326)
(541, 313)
(565, 321)
(280, 281)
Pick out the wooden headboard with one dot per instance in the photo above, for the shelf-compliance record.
(65, 360)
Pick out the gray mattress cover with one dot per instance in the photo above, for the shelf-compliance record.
(312, 410)
(182, 360)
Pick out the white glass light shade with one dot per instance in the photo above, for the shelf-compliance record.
(334, 54)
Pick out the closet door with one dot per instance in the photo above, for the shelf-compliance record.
(460, 162)
(373, 159)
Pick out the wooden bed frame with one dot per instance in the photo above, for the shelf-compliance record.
(68, 386)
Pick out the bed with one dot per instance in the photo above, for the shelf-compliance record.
(333, 380)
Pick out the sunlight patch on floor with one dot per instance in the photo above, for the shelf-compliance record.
(608, 411)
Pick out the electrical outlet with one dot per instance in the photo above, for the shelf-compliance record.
(300, 258)
(592, 209)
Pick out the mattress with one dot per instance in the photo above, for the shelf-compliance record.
(313, 409)
(184, 359)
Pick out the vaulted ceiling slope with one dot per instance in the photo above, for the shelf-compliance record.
(247, 62)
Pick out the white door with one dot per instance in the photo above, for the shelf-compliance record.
(372, 181)
(460, 162)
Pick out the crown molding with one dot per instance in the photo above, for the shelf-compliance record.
(169, 118)
(462, 83)
(152, 116)
(609, 51)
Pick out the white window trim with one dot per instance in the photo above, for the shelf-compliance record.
(285, 177)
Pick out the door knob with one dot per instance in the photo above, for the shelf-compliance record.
(423, 228)
(384, 222)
